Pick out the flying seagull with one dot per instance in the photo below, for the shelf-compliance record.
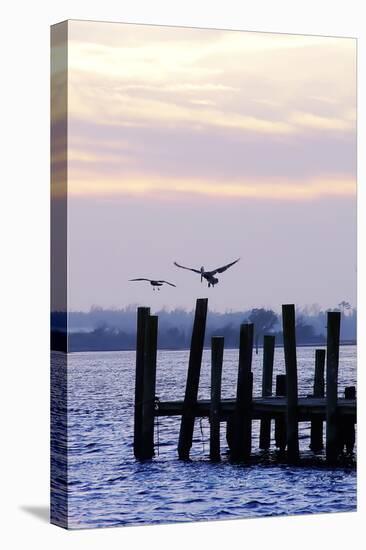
(209, 275)
(153, 282)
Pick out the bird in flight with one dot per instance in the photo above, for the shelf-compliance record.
(153, 282)
(209, 275)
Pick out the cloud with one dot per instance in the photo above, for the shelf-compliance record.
(309, 120)
(208, 153)
(202, 105)
(278, 189)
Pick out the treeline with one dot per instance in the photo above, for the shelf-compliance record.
(107, 330)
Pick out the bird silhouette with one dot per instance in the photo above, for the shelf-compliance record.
(154, 283)
(209, 275)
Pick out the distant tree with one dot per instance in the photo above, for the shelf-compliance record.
(344, 306)
(264, 320)
(304, 331)
(172, 338)
(229, 332)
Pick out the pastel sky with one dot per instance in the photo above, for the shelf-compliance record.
(202, 146)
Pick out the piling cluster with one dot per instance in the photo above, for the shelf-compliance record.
(286, 409)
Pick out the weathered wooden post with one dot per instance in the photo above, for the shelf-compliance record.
(316, 429)
(193, 377)
(230, 432)
(348, 424)
(242, 426)
(268, 355)
(280, 423)
(142, 315)
(217, 353)
(148, 400)
(289, 344)
(333, 325)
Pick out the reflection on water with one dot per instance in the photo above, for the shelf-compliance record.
(107, 486)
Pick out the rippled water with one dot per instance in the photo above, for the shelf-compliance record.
(108, 487)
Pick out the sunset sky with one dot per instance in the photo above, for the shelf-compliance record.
(202, 146)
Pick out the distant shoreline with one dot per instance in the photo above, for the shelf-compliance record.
(307, 345)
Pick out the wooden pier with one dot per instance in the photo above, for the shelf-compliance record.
(286, 409)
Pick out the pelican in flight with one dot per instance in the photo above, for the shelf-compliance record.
(153, 282)
(209, 275)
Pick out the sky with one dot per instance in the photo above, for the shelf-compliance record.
(202, 146)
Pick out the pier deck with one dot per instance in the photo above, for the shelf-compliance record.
(262, 407)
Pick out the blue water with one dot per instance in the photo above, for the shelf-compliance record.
(108, 487)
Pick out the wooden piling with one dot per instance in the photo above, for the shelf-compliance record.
(316, 430)
(268, 355)
(280, 423)
(193, 376)
(350, 392)
(289, 343)
(242, 430)
(229, 433)
(149, 377)
(217, 353)
(142, 315)
(332, 447)
(348, 425)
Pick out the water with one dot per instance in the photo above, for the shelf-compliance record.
(108, 487)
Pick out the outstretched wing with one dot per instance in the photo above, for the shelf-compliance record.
(167, 282)
(140, 279)
(223, 268)
(189, 268)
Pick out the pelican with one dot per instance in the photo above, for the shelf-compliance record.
(209, 275)
(154, 283)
